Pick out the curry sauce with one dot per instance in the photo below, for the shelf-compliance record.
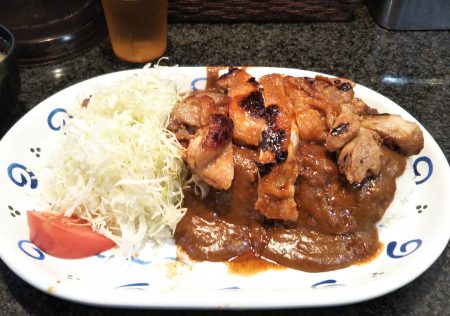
(335, 227)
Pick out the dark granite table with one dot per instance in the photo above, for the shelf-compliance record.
(411, 68)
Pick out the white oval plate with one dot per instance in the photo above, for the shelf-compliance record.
(414, 231)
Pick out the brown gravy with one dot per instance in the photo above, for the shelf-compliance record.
(249, 265)
(335, 228)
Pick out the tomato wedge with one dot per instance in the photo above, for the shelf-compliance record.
(65, 237)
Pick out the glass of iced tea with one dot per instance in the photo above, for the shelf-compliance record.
(137, 28)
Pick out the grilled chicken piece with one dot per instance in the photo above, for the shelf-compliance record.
(325, 94)
(276, 191)
(361, 157)
(277, 164)
(395, 132)
(335, 90)
(220, 98)
(357, 106)
(247, 113)
(237, 82)
(194, 112)
(345, 128)
(275, 92)
(309, 92)
(246, 109)
(311, 123)
(210, 153)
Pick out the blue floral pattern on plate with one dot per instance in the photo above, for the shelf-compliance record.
(324, 283)
(429, 165)
(34, 253)
(57, 119)
(391, 248)
(25, 175)
(134, 286)
(195, 81)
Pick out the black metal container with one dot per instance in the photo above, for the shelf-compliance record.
(411, 14)
(9, 78)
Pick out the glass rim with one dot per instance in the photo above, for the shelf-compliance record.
(11, 41)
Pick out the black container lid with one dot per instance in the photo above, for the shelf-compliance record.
(47, 30)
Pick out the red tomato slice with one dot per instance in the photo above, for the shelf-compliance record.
(65, 237)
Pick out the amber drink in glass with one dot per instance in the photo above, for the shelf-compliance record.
(137, 28)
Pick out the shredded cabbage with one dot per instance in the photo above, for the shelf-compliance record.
(117, 165)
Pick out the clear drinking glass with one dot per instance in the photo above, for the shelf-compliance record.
(137, 28)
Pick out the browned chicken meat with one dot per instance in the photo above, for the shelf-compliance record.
(333, 99)
(396, 132)
(277, 164)
(275, 115)
(194, 112)
(237, 82)
(357, 106)
(210, 152)
(324, 94)
(246, 109)
(361, 157)
(335, 90)
(345, 128)
(311, 123)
